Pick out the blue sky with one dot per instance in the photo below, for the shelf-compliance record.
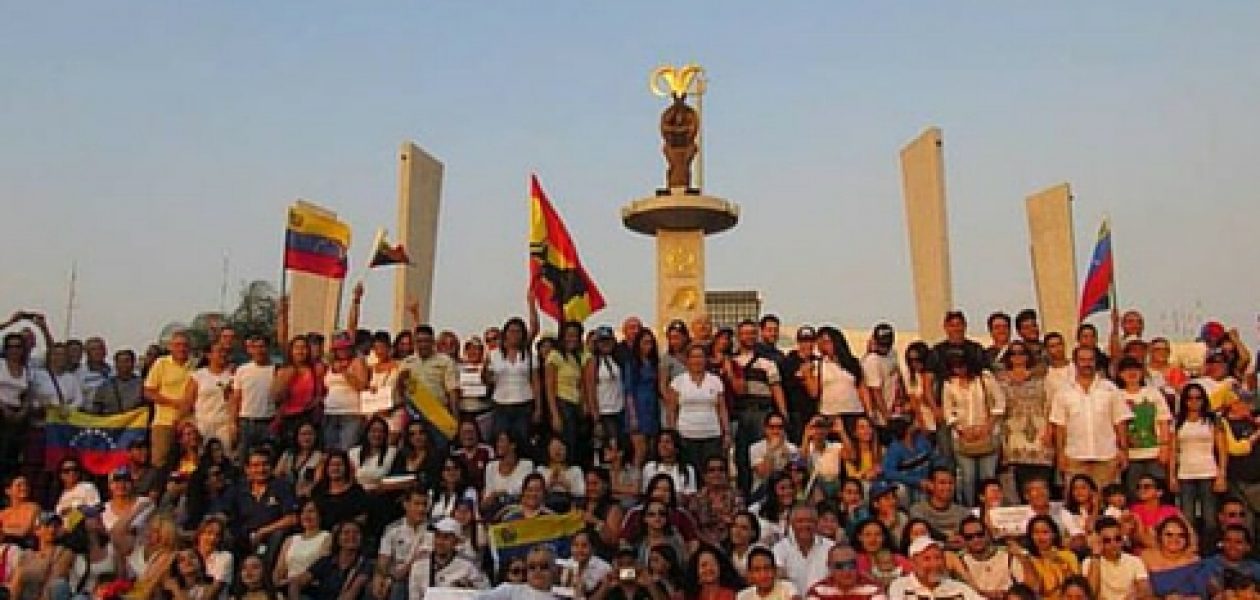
(145, 139)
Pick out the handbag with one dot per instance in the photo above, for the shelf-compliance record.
(983, 446)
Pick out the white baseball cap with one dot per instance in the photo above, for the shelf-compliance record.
(449, 525)
(922, 543)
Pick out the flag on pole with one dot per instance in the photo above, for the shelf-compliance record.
(315, 243)
(100, 442)
(384, 255)
(1100, 283)
(563, 288)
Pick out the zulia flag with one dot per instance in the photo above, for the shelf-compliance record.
(563, 288)
(1100, 283)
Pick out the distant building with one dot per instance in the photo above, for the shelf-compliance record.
(728, 307)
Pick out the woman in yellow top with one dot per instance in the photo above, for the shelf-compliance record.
(1051, 562)
(566, 395)
(863, 456)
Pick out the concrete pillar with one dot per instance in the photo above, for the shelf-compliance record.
(419, 196)
(1053, 248)
(927, 224)
(313, 300)
(679, 276)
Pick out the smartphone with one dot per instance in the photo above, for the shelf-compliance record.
(626, 574)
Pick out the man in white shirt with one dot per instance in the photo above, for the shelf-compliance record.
(927, 580)
(95, 371)
(1113, 573)
(540, 575)
(251, 405)
(404, 542)
(882, 376)
(802, 555)
(444, 567)
(1094, 411)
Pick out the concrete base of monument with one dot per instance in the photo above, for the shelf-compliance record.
(680, 209)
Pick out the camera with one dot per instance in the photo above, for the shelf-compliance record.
(626, 574)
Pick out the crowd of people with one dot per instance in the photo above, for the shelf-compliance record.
(708, 464)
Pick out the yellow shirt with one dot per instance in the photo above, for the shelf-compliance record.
(171, 380)
(568, 375)
(1053, 568)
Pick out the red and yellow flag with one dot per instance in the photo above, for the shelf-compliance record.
(563, 288)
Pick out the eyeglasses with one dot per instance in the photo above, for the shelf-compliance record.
(539, 567)
(975, 535)
(844, 565)
(1112, 540)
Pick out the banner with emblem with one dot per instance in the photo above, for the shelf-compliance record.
(99, 442)
(515, 538)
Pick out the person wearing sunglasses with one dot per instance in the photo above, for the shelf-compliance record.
(985, 567)
(540, 575)
(843, 582)
(1113, 573)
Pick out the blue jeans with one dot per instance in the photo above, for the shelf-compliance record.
(971, 470)
(514, 418)
(342, 431)
(570, 414)
(748, 431)
(1197, 493)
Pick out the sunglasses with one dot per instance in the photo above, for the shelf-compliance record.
(774, 425)
(533, 567)
(845, 565)
(975, 535)
(1112, 540)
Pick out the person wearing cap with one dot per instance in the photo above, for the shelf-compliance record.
(928, 579)
(843, 582)
(1222, 389)
(603, 382)
(346, 377)
(884, 506)
(123, 504)
(443, 566)
(881, 374)
(800, 381)
(1092, 409)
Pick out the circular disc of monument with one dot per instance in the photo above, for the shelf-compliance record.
(680, 209)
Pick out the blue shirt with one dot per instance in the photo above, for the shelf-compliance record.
(908, 465)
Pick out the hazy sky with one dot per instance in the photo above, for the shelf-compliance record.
(146, 139)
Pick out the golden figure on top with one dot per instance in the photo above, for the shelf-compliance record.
(680, 123)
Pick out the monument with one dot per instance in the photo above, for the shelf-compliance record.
(1053, 248)
(927, 224)
(419, 196)
(679, 215)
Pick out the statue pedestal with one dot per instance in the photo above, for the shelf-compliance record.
(679, 220)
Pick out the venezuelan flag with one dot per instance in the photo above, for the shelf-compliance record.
(1100, 282)
(316, 243)
(515, 538)
(564, 289)
(99, 442)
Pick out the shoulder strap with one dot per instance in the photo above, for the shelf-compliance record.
(61, 397)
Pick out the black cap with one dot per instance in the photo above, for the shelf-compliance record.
(805, 332)
(884, 334)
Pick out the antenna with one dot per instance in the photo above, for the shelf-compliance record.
(224, 285)
(74, 275)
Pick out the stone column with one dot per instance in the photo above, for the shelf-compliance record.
(679, 276)
(927, 224)
(1053, 249)
(419, 196)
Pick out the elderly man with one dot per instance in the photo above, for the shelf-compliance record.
(445, 567)
(802, 555)
(843, 581)
(540, 576)
(927, 580)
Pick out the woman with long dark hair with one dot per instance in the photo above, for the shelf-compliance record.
(298, 387)
(1199, 458)
(643, 393)
(711, 576)
(338, 495)
(44, 564)
(382, 397)
(301, 549)
(453, 486)
(418, 459)
(602, 381)
(252, 582)
(505, 476)
(15, 383)
(567, 397)
(346, 377)
(1026, 445)
(973, 402)
(374, 456)
(921, 388)
(745, 535)
(667, 460)
(301, 462)
(513, 373)
(842, 393)
(1052, 563)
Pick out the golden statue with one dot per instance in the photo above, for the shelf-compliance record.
(680, 123)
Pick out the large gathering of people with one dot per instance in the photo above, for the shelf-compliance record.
(705, 463)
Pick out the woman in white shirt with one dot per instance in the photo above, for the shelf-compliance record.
(972, 402)
(504, 476)
(667, 461)
(698, 411)
(300, 550)
(75, 492)
(347, 376)
(1197, 457)
(560, 476)
(210, 390)
(841, 392)
(603, 380)
(513, 372)
(373, 458)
